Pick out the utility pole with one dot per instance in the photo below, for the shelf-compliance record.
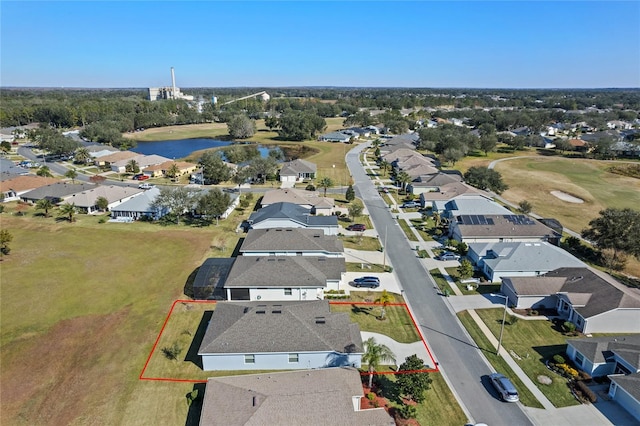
(384, 254)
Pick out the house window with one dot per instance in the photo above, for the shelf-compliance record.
(288, 291)
(294, 358)
(579, 359)
(249, 359)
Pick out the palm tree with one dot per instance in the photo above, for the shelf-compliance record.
(82, 155)
(384, 164)
(132, 167)
(325, 182)
(403, 179)
(384, 299)
(46, 205)
(68, 210)
(374, 354)
(71, 174)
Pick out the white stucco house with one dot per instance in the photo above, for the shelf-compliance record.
(279, 336)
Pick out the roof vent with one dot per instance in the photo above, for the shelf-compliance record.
(276, 311)
(321, 320)
(262, 311)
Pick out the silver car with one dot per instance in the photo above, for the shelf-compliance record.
(504, 387)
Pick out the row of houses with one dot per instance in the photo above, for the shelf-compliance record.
(275, 318)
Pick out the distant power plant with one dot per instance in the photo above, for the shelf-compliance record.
(171, 92)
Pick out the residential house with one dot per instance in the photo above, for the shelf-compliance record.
(297, 171)
(291, 242)
(12, 189)
(114, 157)
(625, 390)
(617, 357)
(143, 161)
(279, 336)
(499, 228)
(579, 145)
(100, 150)
(444, 192)
(335, 137)
(140, 206)
(498, 260)
(308, 199)
(86, 201)
(602, 356)
(161, 169)
(626, 149)
(324, 397)
(56, 192)
(592, 300)
(284, 277)
(432, 182)
(9, 170)
(289, 215)
(469, 204)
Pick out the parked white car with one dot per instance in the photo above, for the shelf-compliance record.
(145, 185)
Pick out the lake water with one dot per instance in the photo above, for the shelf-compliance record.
(175, 149)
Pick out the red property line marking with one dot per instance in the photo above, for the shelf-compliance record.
(365, 373)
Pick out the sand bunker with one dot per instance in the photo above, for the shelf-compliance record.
(566, 197)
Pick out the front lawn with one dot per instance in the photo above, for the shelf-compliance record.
(533, 341)
(397, 325)
(358, 242)
(407, 230)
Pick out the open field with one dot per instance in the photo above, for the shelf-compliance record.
(534, 341)
(89, 299)
(533, 179)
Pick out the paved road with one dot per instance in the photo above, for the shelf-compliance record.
(459, 358)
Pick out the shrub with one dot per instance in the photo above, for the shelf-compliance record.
(569, 327)
(408, 411)
(558, 359)
(513, 319)
(588, 393)
(533, 312)
(584, 375)
(371, 396)
(310, 187)
(172, 352)
(569, 371)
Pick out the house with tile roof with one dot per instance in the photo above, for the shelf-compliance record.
(262, 335)
(297, 171)
(291, 242)
(497, 260)
(591, 299)
(289, 215)
(108, 159)
(12, 189)
(267, 399)
(284, 277)
(308, 199)
(161, 169)
(144, 161)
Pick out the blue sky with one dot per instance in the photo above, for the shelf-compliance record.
(501, 44)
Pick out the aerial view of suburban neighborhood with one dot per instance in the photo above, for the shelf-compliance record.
(319, 213)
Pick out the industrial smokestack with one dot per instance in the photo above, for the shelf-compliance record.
(173, 83)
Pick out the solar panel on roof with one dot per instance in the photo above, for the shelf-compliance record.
(490, 221)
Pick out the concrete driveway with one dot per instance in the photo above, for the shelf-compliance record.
(388, 281)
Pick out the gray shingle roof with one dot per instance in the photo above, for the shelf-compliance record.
(299, 197)
(293, 168)
(630, 383)
(503, 227)
(599, 292)
(595, 348)
(321, 397)
(57, 190)
(294, 212)
(284, 271)
(291, 240)
(264, 327)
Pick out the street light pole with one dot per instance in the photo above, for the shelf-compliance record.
(504, 318)
(384, 255)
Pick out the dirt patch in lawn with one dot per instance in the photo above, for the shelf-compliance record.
(53, 378)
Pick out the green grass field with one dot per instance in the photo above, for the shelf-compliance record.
(89, 299)
(533, 341)
(398, 324)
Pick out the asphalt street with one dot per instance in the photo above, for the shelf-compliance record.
(459, 358)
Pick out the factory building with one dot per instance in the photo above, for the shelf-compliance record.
(171, 92)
